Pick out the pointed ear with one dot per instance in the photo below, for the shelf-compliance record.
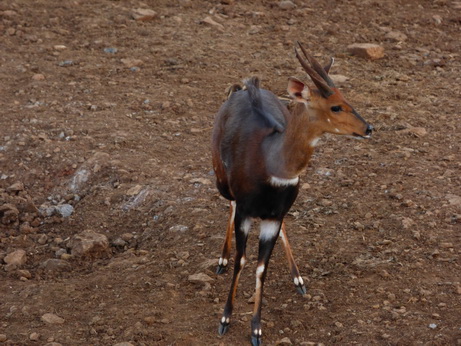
(297, 90)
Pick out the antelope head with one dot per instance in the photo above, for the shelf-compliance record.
(331, 112)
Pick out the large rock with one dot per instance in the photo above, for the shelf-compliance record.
(366, 50)
(89, 243)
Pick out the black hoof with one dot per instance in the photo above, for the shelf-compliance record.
(256, 340)
(221, 269)
(301, 289)
(223, 327)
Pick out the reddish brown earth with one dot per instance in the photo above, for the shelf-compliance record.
(375, 230)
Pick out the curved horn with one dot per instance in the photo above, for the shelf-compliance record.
(328, 67)
(319, 82)
(317, 67)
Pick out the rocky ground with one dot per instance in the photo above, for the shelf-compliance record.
(110, 224)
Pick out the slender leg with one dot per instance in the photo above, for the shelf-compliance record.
(297, 279)
(269, 233)
(242, 227)
(224, 259)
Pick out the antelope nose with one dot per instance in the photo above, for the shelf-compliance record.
(369, 130)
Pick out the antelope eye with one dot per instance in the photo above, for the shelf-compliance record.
(336, 109)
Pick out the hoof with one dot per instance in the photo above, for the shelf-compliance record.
(256, 340)
(301, 289)
(299, 283)
(222, 265)
(221, 269)
(223, 325)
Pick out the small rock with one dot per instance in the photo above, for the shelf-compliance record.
(415, 131)
(9, 213)
(119, 242)
(66, 63)
(17, 257)
(454, 200)
(396, 36)
(52, 319)
(202, 181)
(366, 50)
(42, 239)
(143, 14)
(38, 77)
(210, 21)
(179, 228)
(16, 187)
(24, 273)
(34, 336)
(127, 236)
(110, 50)
(287, 5)
(284, 341)
(338, 78)
(65, 210)
(3, 337)
(432, 326)
(124, 343)
(199, 278)
(54, 264)
(59, 47)
(89, 242)
(134, 190)
(130, 62)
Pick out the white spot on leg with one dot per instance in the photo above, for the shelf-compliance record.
(243, 261)
(296, 281)
(224, 262)
(233, 207)
(246, 225)
(269, 229)
(220, 261)
(301, 281)
(336, 130)
(260, 270)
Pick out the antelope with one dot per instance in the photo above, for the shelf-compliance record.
(259, 149)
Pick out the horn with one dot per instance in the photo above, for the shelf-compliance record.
(319, 82)
(317, 67)
(328, 67)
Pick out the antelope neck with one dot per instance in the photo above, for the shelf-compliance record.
(301, 136)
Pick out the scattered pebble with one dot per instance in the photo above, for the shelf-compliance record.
(110, 50)
(34, 336)
(89, 242)
(38, 77)
(65, 210)
(143, 14)
(200, 278)
(432, 326)
(287, 5)
(52, 319)
(366, 50)
(17, 258)
(210, 21)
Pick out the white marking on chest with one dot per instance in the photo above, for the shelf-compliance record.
(279, 182)
(269, 229)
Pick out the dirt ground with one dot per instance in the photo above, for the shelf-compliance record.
(112, 116)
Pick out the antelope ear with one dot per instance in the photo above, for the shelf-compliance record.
(297, 90)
